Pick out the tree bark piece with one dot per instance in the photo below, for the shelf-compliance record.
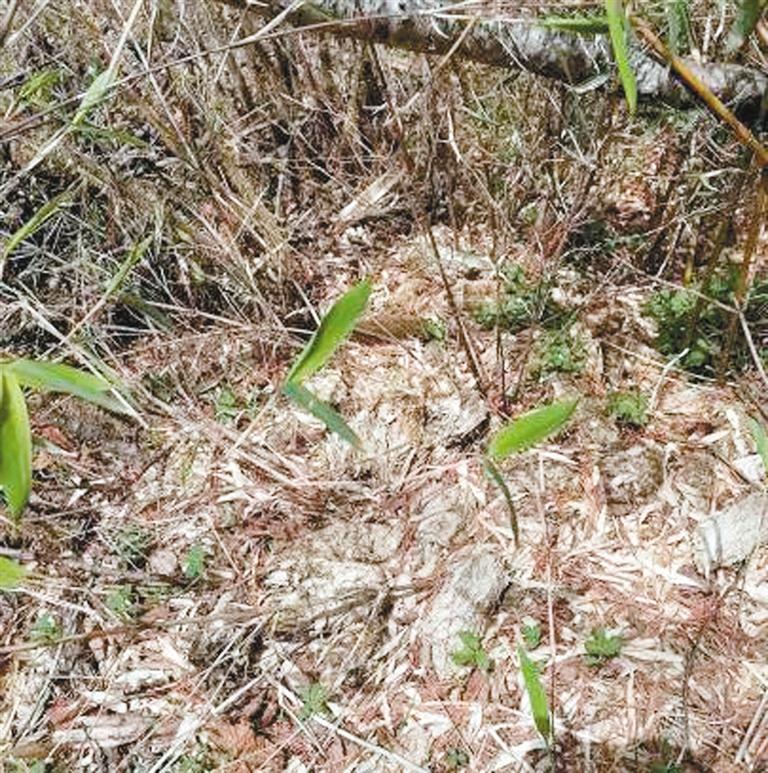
(421, 25)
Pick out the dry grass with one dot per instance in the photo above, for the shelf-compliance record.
(196, 572)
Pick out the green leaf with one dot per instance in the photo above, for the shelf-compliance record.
(320, 410)
(314, 700)
(15, 445)
(748, 16)
(601, 647)
(97, 92)
(531, 428)
(194, 563)
(617, 26)
(471, 652)
(578, 25)
(11, 574)
(536, 694)
(335, 327)
(761, 441)
(55, 377)
(532, 635)
(135, 254)
(38, 219)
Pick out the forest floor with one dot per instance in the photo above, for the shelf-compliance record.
(227, 586)
(219, 583)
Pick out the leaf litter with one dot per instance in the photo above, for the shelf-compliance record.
(357, 571)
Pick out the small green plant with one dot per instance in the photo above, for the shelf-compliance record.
(45, 630)
(455, 759)
(38, 89)
(194, 563)
(226, 406)
(602, 646)
(197, 761)
(471, 652)
(521, 303)
(434, 329)
(629, 407)
(519, 435)
(314, 700)
(560, 352)
(536, 696)
(694, 327)
(119, 601)
(335, 327)
(15, 433)
(531, 635)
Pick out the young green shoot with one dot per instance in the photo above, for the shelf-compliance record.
(471, 652)
(601, 647)
(314, 700)
(335, 327)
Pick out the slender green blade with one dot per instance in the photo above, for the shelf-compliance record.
(761, 441)
(55, 377)
(135, 254)
(578, 25)
(15, 445)
(530, 428)
(747, 17)
(336, 326)
(97, 92)
(47, 211)
(11, 574)
(617, 26)
(320, 410)
(536, 694)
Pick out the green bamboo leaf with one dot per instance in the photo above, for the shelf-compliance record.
(11, 574)
(578, 25)
(38, 219)
(536, 694)
(617, 26)
(55, 377)
(336, 326)
(320, 410)
(530, 428)
(761, 441)
(15, 445)
(747, 17)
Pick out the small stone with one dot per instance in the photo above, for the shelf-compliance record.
(472, 590)
(731, 534)
(163, 562)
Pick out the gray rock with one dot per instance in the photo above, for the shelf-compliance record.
(731, 534)
(473, 588)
